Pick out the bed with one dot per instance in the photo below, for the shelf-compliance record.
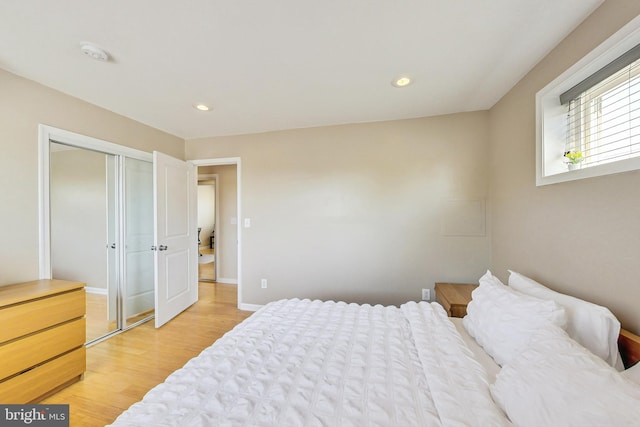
(324, 363)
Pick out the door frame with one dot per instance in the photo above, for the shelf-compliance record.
(238, 162)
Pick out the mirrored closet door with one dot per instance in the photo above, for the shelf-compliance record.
(138, 302)
(101, 231)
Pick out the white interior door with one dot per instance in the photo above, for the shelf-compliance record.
(175, 195)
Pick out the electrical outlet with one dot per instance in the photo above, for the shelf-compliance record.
(426, 295)
(263, 283)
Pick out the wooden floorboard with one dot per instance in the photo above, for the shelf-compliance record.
(123, 368)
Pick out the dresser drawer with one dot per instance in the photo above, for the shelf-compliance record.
(41, 380)
(18, 355)
(28, 317)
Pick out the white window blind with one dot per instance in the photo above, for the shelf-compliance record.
(603, 114)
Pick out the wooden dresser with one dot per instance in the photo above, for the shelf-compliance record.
(42, 336)
(454, 297)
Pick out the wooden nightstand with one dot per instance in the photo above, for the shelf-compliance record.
(454, 297)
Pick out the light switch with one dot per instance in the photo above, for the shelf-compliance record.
(247, 222)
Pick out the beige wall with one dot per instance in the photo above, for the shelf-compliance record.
(355, 212)
(23, 105)
(580, 237)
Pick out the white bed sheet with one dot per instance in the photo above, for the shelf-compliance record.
(479, 354)
(312, 363)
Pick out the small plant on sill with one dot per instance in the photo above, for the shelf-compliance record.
(573, 157)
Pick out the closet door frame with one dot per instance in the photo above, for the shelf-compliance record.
(47, 134)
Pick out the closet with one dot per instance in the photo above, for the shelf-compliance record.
(124, 222)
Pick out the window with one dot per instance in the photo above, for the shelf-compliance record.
(603, 122)
(589, 118)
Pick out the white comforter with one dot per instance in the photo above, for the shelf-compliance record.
(313, 363)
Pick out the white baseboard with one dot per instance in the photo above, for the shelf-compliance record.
(250, 307)
(98, 291)
(227, 281)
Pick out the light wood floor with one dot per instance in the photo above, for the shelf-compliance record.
(123, 368)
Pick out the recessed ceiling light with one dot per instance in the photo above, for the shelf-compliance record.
(94, 52)
(402, 81)
(201, 107)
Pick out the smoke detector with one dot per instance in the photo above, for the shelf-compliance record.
(94, 52)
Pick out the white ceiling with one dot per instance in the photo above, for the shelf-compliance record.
(282, 64)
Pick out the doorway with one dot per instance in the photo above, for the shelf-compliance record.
(228, 233)
(207, 214)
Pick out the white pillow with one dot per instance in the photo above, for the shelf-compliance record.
(557, 382)
(501, 320)
(593, 326)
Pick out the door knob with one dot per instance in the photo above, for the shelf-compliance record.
(162, 248)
